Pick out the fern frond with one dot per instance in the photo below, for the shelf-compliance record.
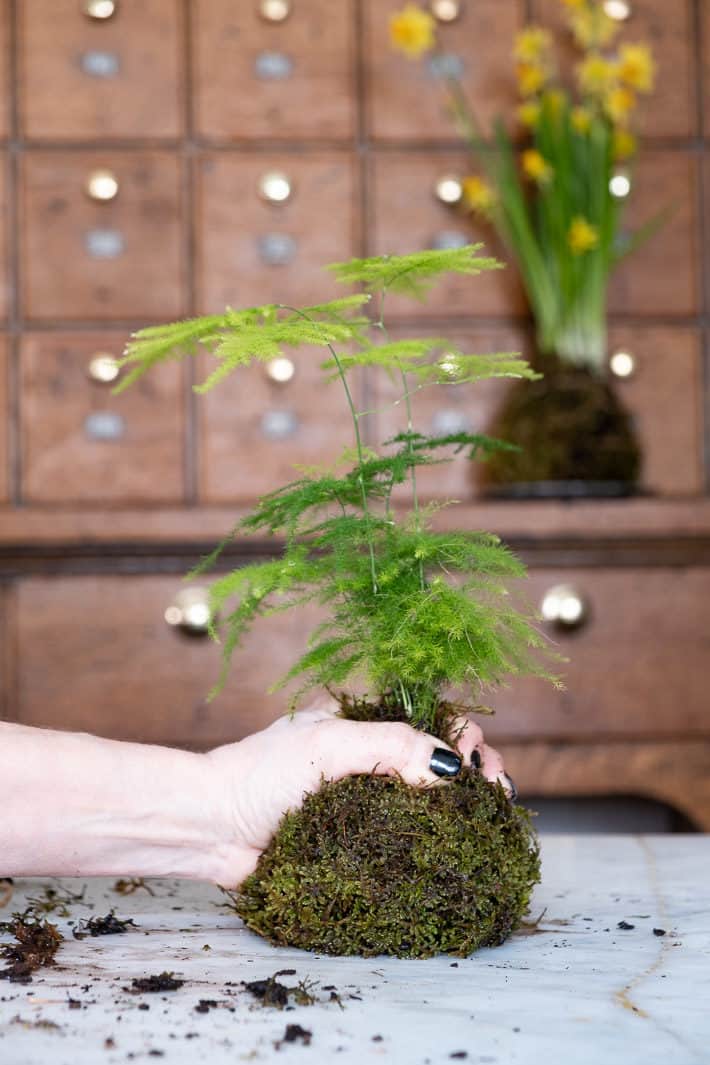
(156, 344)
(412, 275)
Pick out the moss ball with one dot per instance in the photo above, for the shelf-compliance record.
(370, 865)
(570, 425)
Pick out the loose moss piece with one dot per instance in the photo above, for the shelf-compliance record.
(370, 865)
(36, 943)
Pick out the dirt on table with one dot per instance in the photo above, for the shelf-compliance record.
(36, 943)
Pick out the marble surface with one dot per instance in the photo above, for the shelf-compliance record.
(573, 989)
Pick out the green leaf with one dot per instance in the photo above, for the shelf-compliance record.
(412, 275)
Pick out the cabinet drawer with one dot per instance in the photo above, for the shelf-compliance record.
(254, 431)
(407, 215)
(100, 77)
(408, 100)
(291, 78)
(80, 443)
(5, 283)
(117, 258)
(638, 666)
(96, 654)
(5, 423)
(661, 277)
(671, 111)
(252, 250)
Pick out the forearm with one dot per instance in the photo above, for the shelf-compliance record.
(77, 805)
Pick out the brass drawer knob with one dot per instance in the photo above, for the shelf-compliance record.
(190, 611)
(275, 187)
(619, 10)
(280, 370)
(275, 10)
(564, 606)
(622, 364)
(102, 185)
(103, 368)
(446, 10)
(448, 189)
(99, 9)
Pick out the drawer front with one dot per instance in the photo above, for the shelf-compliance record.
(80, 444)
(672, 110)
(254, 431)
(665, 396)
(252, 250)
(115, 258)
(5, 287)
(638, 666)
(408, 100)
(661, 277)
(5, 423)
(439, 410)
(407, 215)
(96, 654)
(100, 77)
(255, 77)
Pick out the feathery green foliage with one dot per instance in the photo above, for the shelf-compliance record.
(410, 611)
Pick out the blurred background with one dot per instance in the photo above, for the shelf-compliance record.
(163, 158)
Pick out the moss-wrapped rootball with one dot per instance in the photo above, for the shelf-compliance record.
(571, 426)
(370, 865)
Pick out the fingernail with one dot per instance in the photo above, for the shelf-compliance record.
(445, 763)
(510, 785)
(476, 758)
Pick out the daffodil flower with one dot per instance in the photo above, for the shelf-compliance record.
(582, 236)
(413, 31)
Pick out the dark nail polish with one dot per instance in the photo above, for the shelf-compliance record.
(476, 758)
(511, 787)
(445, 763)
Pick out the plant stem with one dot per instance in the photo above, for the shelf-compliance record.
(358, 442)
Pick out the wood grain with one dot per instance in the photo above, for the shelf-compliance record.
(316, 101)
(60, 101)
(62, 462)
(233, 220)
(5, 422)
(5, 81)
(60, 278)
(6, 280)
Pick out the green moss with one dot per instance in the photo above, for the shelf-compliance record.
(570, 426)
(370, 865)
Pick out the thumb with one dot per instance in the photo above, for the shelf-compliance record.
(383, 747)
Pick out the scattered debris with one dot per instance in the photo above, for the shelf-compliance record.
(205, 1005)
(293, 1033)
(5, 890)
(37, 942)
(659, 931)
(459, 1054)
(49, 1026)
(133, 883)
(110, 925)
(625, 926)
(271, 992)
(162, 982)
(53, 900)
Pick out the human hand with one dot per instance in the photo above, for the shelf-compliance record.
(271, 771)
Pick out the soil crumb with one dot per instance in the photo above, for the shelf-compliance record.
(161, 982)
(271, 992)
(293, 1033)
(110, 925)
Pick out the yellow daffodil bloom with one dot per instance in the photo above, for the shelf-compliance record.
(535, 167)
(554, 101)
(532, 44)
(412, 31)
(574, 4)
(636, 67)
(531, 78)
(529, 113)
(592, 27)
(581, 119)
(477, 195)
(596, 75)
(619, 103)
(623, 144)
(582, 236)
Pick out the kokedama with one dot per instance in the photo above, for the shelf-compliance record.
(418, 619)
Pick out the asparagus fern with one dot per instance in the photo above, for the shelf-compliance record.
(410, 611)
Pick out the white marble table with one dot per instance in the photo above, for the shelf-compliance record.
(576, 990)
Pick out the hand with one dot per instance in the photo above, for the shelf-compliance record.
(271, 771)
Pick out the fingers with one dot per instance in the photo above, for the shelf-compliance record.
(389, 749)
(471, 744)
